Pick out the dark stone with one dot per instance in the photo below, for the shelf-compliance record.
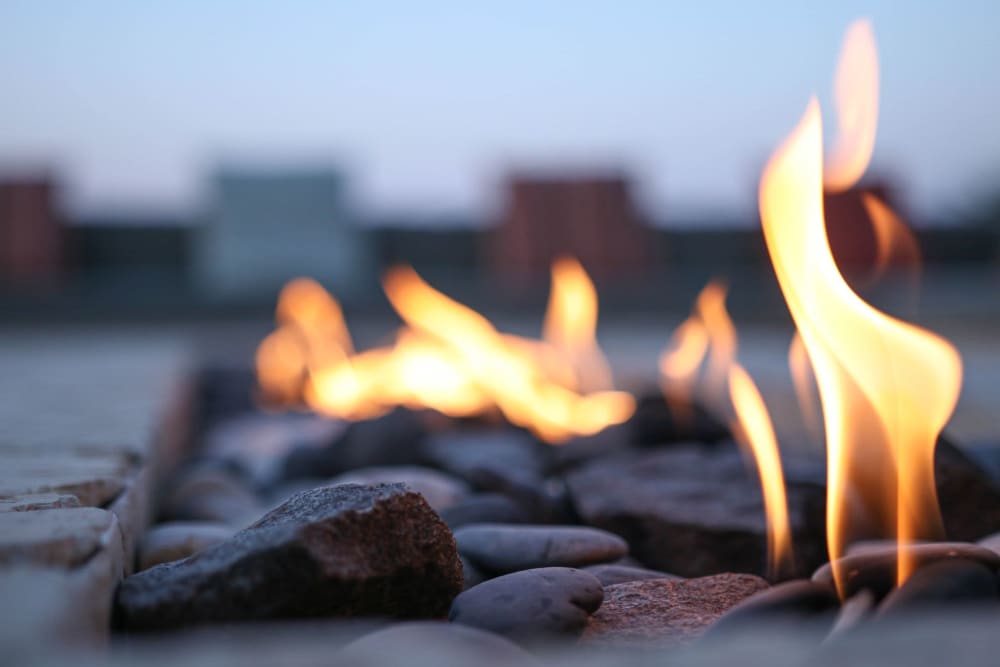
(968, 494)
(954, 581)
(501, 548)
(654, 423)
(210, 491)
(694, 510)
(875, 570)
(487, 459)
(333, 551)
(484, 508)
(666, 612)
(610, 574)
(448, 643)
(471, 576)
(532, 604)
(392, 439)
(439, 489)
(791, 601)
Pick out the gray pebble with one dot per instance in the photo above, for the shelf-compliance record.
(501, 548)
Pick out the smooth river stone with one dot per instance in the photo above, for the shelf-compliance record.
(484, 508)
(501, 548)
(179, 539)
(532, 604)
(954, 581)
(795, 601)
(335, 551)
(666, 612)
(876, 570)
(610, 574)
(439, 489)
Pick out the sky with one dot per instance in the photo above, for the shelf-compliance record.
(427, 105)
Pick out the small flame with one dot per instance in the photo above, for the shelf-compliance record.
(571, 324)
(755, 431)
(856, 98)
(710, 307)
(679, 363)
(895, 243)
(887, 387)
(804, 383)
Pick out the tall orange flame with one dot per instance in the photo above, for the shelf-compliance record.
(856, 98)
(754, 429)
(887, 387)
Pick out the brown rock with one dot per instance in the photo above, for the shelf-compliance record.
(333, 551)
(666, 612)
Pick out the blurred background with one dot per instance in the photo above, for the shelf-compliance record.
(166, 167)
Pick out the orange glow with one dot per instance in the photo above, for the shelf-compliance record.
(805, 387)
(754, 429)
(571, 324)
(856, 98)
(895, 244)
(887, 387)
(711, 308)
(679, 364)
(449, 359)
(508, 373)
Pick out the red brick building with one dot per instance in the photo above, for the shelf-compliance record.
(591, 218)
(31, 239)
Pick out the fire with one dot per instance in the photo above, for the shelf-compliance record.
(895, 244)
(709, 331)
(571, 323)
(448, 358)
(755, 431)
(887, 387)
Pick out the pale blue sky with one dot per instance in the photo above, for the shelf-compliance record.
(428, 103)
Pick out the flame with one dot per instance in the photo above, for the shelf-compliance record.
(710, 306)
(856, 98)
(805, 386)
(679, 363)
(894, 242)
(449, 359)
(755, 431)
(507, 372)
(571, 323)
(887, 387)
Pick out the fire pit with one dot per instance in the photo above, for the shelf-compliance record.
(464, 493)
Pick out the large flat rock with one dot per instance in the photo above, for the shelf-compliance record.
(694, 510)
(346, 550)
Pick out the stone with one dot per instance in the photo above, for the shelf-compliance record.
(969, 496)
(655, 423)
(610, 574)
(954, 581)
(488, 459)
(991, 542)
(179, 539)
(484, 508)
(501, 548)
(876, 570)
(440, 490)
(210, 493)
(324, 553)
(55, 537)
(38, 501)
(694, 510)
(389, 440)
(471, 576)
(260, 441)
(798, 601)
(93, 476)
(531, 605)
(666, 612)
(449, 643)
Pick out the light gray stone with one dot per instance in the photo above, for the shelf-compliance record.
(56, 537)
(38, 501)
(179, 539)
(94, 477)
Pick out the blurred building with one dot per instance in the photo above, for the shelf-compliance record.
(266, 227)
(31, 240)
(592, 218)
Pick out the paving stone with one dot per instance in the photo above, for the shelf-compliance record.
(94, 477)
(58, 537)
(38, 501)
(666, 612)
